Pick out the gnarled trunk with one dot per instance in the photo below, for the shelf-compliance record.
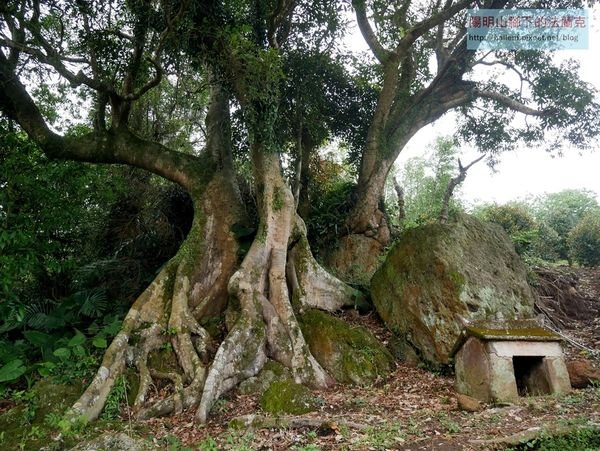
(195, 285)
(269, 278)
(190, 288)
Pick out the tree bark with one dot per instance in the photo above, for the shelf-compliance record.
(277, 272)
(192, 286)
(267, 326)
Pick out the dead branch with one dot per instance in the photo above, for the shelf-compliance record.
(401, 207)
(454, 182)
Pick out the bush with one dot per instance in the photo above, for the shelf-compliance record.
(584, 240)
(562, 211)
(515, 219)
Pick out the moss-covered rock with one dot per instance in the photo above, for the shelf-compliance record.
(438, 275)
(25, 426)
(271, 372)
(350, 354)
(285, 396)
(54, 398)
(342, 260)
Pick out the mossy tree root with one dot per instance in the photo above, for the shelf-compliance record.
(171, 309)
(312, 285)
(160, 316)
(169, 312)
(267, 326)
(146, 311)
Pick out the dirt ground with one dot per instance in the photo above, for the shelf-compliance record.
(414, 409)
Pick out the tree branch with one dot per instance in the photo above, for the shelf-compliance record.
(109, 147)
(401, 204)
(425, 25)
(508, 65)
(282, 10)
(378, 50)
(508, 102)
(454, 182)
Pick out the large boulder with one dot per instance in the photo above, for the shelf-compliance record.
(438, 276)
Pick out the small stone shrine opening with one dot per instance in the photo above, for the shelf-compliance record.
(530, 376)
(498, 361)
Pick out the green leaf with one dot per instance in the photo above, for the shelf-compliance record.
(62, 353)
(12, 370)
(100, 342)
(37, 338)
(45, 368)
(79, 351)
(77, 340)
(113, 328)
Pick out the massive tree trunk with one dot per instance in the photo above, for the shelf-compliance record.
(401, 111)
(277, 273)
(190, 288)
(395, 122)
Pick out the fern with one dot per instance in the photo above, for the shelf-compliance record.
(95, 302)
(39, 315)
(14, 314)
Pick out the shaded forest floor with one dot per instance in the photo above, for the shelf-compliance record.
(412, 409)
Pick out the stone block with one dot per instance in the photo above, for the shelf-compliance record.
(503, 387)
(473, 370)
(525, 348)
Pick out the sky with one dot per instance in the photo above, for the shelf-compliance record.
(527, 171)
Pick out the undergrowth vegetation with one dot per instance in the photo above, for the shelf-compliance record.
(77, 245)
(584, 439)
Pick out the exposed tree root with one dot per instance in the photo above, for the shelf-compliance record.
(267, 326)
(146, 310)
(313, 286)
(171, 310)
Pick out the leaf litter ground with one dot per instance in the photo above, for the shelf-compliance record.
(414, 409)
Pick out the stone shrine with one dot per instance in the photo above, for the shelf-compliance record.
(498, 361)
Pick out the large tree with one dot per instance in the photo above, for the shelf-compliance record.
(425, 70)
(114, 54)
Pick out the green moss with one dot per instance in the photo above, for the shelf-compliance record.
(194, 243)
(132, 383)
(26, 425)
(511, 330)
(348, 353)
(163, 360)
(213, 325)
(261, 234)
(286, 396)
(277, 199)
(458, 279)
(277, 368)
(272, 371)
(437, 273)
